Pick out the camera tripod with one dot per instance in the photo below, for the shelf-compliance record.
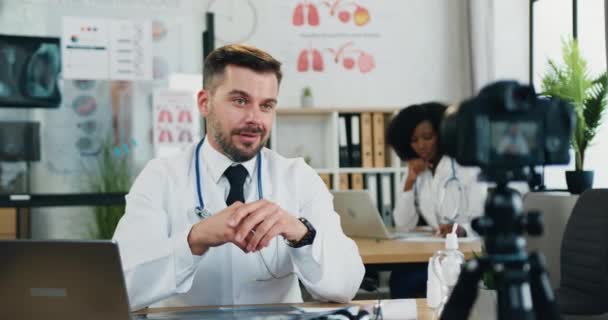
(522, 284)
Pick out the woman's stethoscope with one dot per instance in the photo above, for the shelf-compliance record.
(204, 213)
(451, 186)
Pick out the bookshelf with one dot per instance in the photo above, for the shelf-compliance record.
(314, 134)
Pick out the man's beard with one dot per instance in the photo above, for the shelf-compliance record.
(229, 149)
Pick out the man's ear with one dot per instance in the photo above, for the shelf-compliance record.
(203, 102)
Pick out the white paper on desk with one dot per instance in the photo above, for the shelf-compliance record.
(432, 238)
(325, 310)
(402, 309)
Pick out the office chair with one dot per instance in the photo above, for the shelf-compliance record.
(584, 259)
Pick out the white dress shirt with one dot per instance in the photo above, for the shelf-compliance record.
(160, 269)
(431, 189)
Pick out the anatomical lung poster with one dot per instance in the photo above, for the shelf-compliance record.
(175, 122)
(336, 48)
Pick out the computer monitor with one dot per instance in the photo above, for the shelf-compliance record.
(29, 72)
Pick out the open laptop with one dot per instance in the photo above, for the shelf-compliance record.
(360, 217)
(66, 280)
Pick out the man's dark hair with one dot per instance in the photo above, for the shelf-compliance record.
(401, 128)
(238, 55)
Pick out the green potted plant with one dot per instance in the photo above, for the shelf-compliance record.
(571, 80)
(306, 99)
(112, 174)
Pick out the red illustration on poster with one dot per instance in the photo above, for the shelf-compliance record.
(307, 13)
(310, 57)
(171, 136)
(346, 55)
(349, 9)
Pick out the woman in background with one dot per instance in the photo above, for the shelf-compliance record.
(435, 189)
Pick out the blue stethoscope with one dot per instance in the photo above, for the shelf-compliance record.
(204, 213)
(201, 210)
(451, 181)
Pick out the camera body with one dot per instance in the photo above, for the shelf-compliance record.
(507, 127)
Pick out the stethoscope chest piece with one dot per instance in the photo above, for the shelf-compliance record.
(203, 213)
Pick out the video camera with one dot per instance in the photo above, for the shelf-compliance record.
(505, 130)
(507, 127)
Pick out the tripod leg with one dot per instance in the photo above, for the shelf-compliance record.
(465, 292)
(543, 298)
(514, 293)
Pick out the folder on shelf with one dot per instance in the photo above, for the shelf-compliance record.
(356, 180)
(371, 184)
(354, 141)
(367, 153)
(386, 198)
(343, 142)
(344, 185)
(326, 177)
(378, 136)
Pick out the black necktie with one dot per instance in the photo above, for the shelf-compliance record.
(236, 176)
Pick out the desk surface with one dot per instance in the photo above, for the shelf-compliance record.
(424, 313)
(375, 251)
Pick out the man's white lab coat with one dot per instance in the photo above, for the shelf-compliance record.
(160, 269)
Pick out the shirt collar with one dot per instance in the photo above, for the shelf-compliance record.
(217, 162)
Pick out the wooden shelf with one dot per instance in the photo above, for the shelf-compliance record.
(327, 110)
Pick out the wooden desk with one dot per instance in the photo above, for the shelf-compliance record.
(375, 251)
(424, 313)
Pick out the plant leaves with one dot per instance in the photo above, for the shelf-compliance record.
(113, 175)
(595, 105)
(571, 81)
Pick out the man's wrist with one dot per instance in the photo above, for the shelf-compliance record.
(301, 231)
(308, 237)
(196, 243)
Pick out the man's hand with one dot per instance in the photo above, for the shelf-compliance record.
(414, 168)
(214, 231)
(265, 220)
(447, 228)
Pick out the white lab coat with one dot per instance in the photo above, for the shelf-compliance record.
(430, 190)
(160, 269)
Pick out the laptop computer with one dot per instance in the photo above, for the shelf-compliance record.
(66, 280)
(360, 217)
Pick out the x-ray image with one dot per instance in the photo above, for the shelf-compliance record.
(29, 71)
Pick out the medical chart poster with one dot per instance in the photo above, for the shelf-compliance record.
(85, 48)
(131, 50)
(176, 121)
(106, 49)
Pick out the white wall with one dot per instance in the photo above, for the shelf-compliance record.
(593, 45)
(424, 40)
(511, 39)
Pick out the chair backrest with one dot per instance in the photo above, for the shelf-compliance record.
(556, 208)
(584, 255)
